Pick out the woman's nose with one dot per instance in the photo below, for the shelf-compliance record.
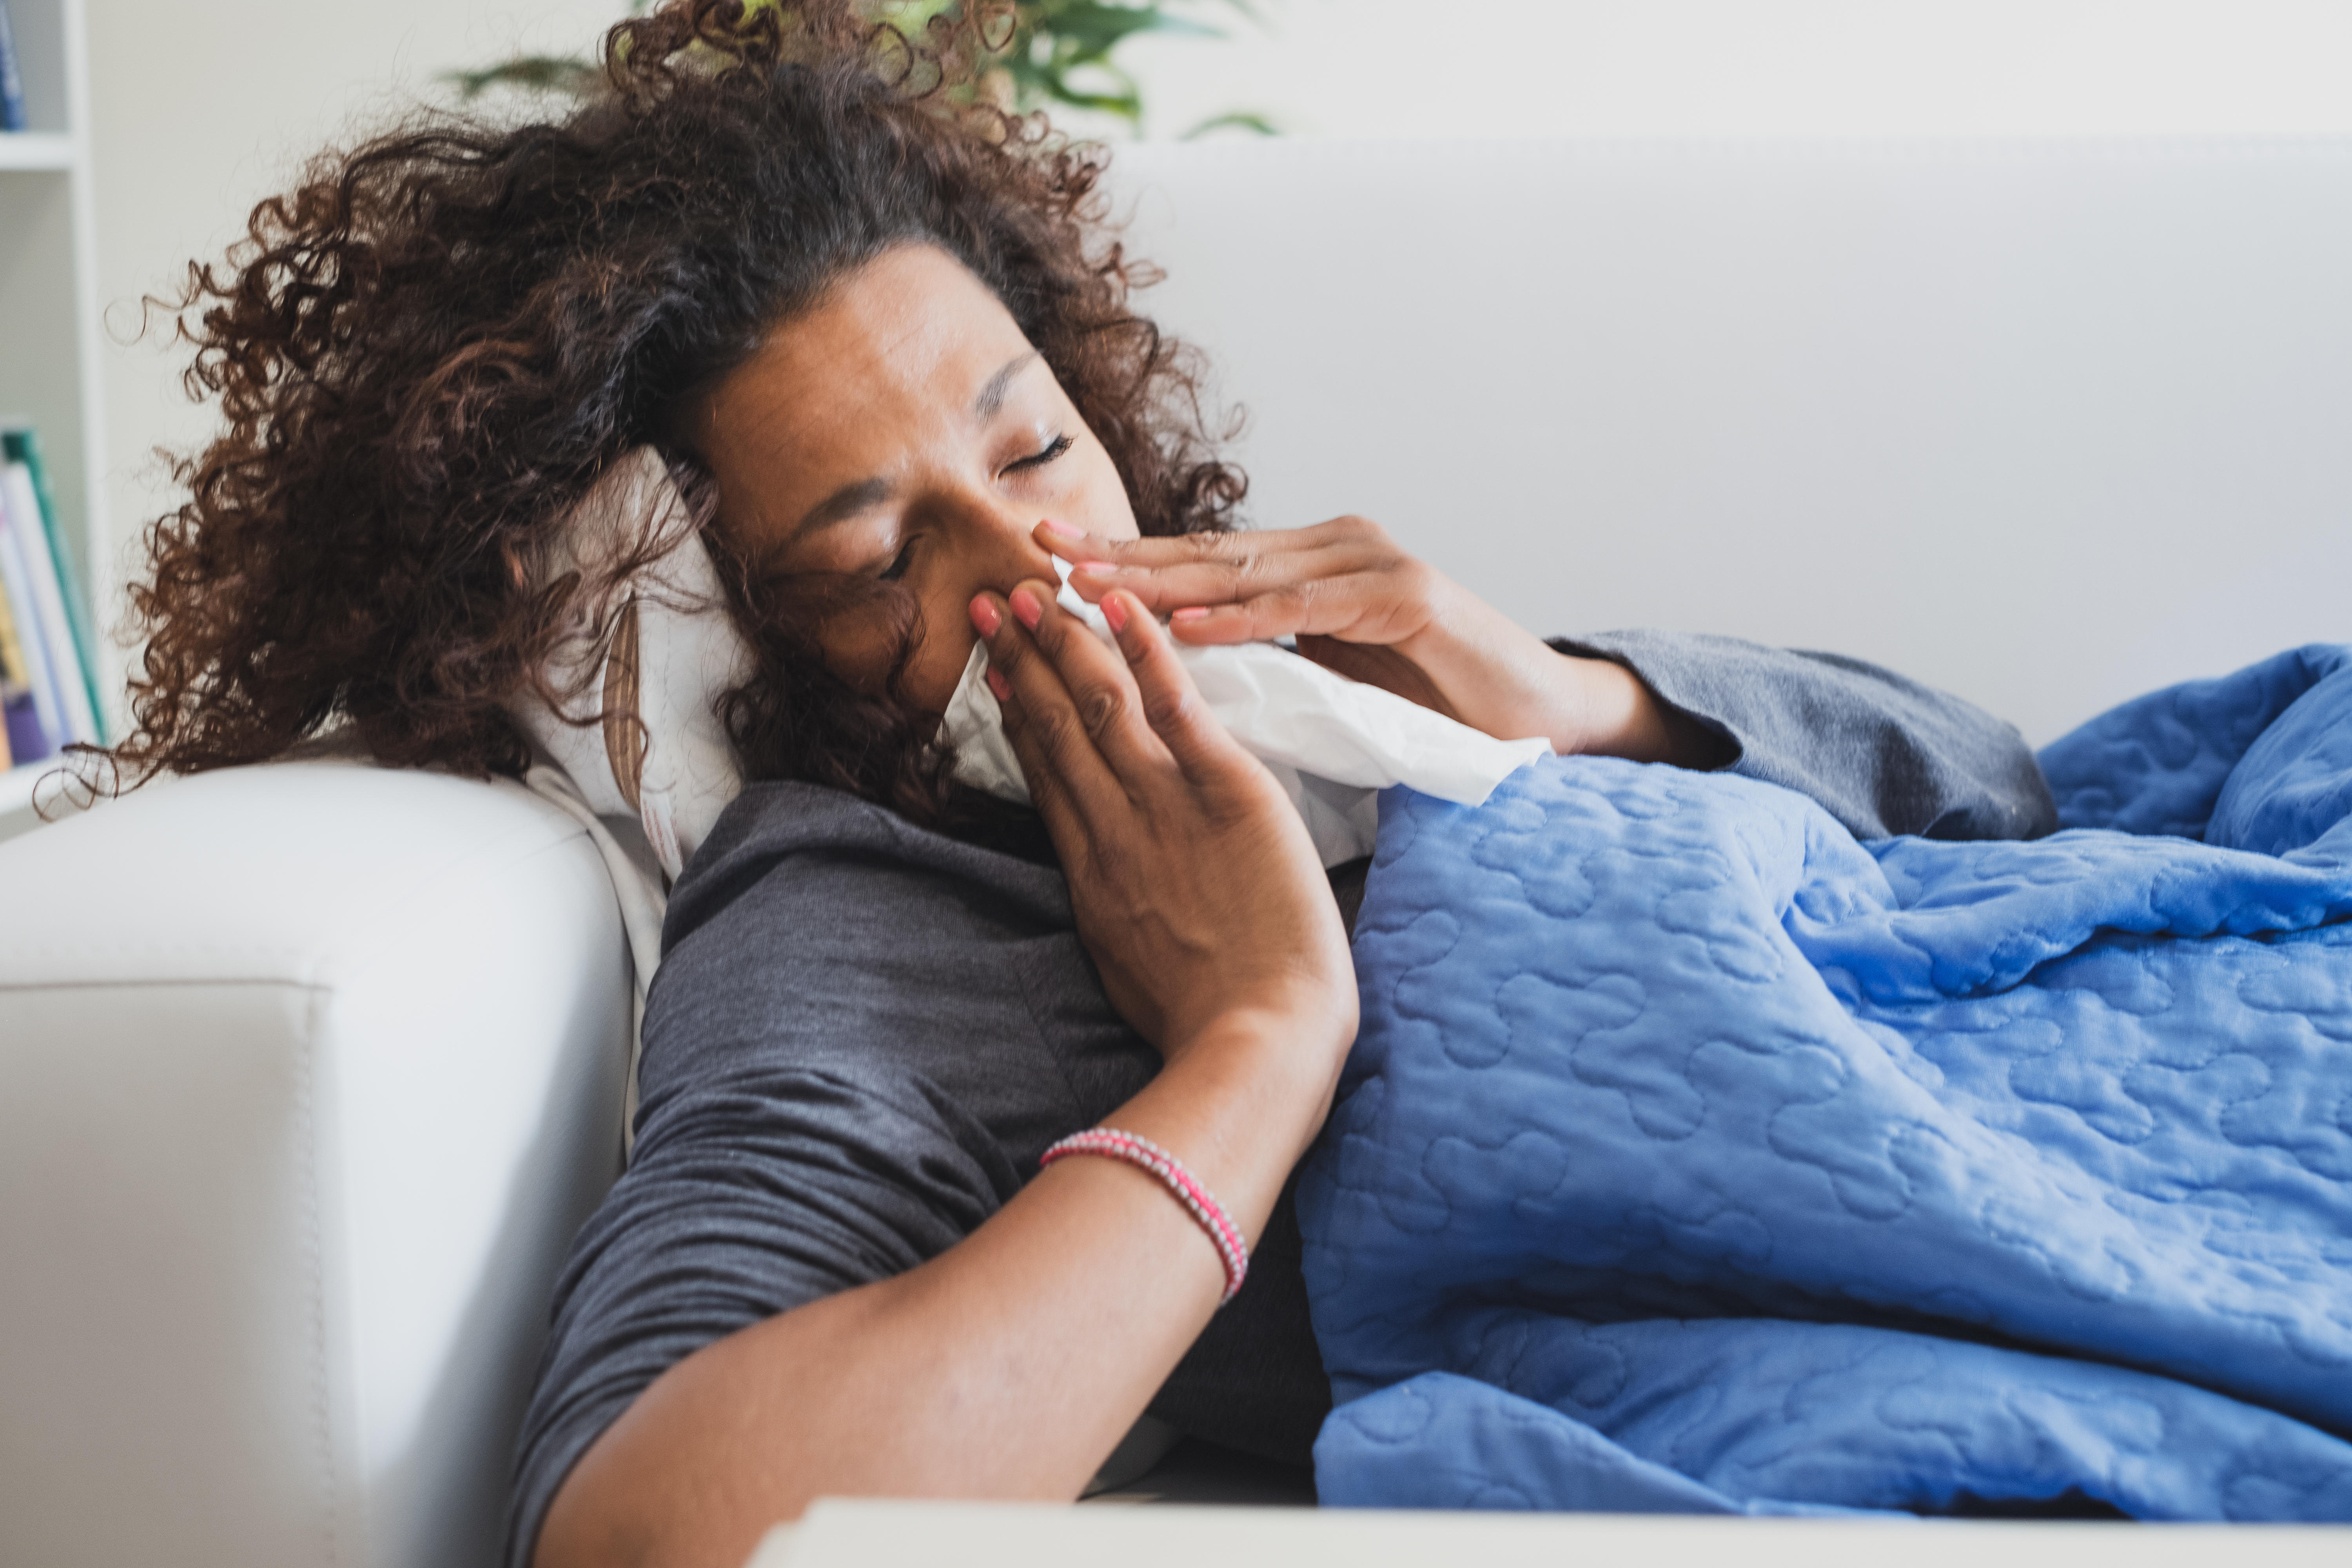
(1008, 548)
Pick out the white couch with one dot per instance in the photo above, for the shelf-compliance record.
(311, 1070)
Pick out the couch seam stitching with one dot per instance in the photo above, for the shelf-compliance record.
(322, 1412)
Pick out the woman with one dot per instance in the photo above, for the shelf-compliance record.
(878, 338)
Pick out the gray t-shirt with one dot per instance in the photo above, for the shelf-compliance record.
(864, 1034)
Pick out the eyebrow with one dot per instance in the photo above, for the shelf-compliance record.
(841, 506)
(991, 396)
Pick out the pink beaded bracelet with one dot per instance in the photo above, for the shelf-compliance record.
(1143, 1153)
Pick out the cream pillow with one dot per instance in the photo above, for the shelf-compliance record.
(671, 652)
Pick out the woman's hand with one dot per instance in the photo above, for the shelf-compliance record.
(1360, 606)
(1196, 889)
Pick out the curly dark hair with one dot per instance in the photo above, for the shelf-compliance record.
(428, 351)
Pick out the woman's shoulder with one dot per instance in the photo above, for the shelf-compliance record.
(810, 917)
(800, 852)
(813, 929)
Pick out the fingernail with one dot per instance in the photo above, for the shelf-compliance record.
(1061, 529)
(1193, 613)
(985, 618)
(1026, 606)
(998, 684)
(1113, 609)
(1094, 569)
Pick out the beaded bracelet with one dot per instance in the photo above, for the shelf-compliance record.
(1144, 1153)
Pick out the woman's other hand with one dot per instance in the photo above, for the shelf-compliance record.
(1196, 889)
(1358, 604)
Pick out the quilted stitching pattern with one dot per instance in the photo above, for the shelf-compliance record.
(2157, 764)
(1694, 1155)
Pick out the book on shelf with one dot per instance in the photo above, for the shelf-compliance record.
(20, 445)
(48, 691)
(21, 740)
(12, 80)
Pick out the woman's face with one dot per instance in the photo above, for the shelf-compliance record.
(904, 430)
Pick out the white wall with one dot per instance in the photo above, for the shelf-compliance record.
(1414, 68)
(198, 110)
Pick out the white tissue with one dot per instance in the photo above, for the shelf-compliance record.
(1333, 743)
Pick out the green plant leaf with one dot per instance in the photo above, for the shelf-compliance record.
(541, 73)
(1248, 119)
(1060, 52)
(1087, 25)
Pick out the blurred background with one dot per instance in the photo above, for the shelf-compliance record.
(198, 110)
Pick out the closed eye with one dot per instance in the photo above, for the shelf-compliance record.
(1054, 448)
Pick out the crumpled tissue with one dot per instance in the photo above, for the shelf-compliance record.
(1333, 743)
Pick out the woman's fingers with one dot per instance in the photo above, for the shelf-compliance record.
(1047, 793)
(1065, 770)
(1171, 704)
(1344, 578)
(1066, 820)
(1209, 568)
(1217, 574)
(1078, 547)
(1285, 612)
(1066, 696)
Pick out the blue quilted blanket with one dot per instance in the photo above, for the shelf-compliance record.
(1696, 1157)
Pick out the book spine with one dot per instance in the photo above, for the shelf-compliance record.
(14, 674)
(21, 444)
(16, 579)
(28, 743)
(12, 80)
(13, 693)
(49, 605)
(20, 722)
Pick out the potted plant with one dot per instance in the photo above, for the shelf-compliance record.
(1045, 53)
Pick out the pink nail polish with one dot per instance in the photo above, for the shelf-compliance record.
(1061, 529)
(1113, 609)
(1094, 569)
(1026, 609)
(1191, 613)
(985, 618)
(998, 684)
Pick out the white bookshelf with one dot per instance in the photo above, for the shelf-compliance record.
(50, 335)
(38, 151)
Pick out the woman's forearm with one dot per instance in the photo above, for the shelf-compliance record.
(1617, 715)
(1009, 1366)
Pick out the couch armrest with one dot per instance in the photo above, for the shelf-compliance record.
(312, 1072)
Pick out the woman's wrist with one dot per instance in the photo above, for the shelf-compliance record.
(1304, 1037)
(1607, 712)
(1253, 1083)
(1612, 713)
(1503, 680)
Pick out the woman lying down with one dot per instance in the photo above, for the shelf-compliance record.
(965, 1128)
